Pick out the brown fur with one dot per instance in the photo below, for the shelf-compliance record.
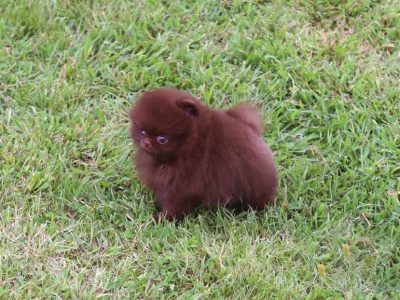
(212, 157)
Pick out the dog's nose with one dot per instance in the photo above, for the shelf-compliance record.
(146, 143)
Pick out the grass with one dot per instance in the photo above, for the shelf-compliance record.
(76, 223)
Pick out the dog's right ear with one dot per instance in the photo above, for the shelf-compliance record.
(188, 106)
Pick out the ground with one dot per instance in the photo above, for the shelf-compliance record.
(76, 223)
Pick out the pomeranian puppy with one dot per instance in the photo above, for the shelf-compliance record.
(190, 155)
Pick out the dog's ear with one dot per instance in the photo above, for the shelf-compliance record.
(189, 106)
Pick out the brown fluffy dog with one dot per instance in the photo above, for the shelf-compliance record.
(191, 155)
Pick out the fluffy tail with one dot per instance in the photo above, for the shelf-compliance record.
(249, 115)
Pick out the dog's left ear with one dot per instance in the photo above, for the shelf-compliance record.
(188, 106)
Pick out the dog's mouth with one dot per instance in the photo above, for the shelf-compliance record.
(149, 150)
(161, 157)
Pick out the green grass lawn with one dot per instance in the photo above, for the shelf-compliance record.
(76, 223)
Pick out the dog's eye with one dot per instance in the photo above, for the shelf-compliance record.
(161, 139)
(142, 133)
